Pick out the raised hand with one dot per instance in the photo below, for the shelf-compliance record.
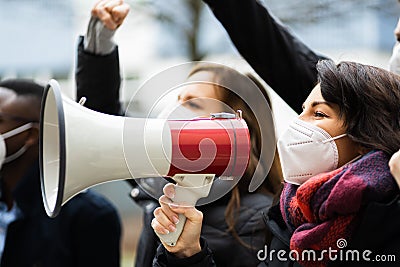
(111, 12)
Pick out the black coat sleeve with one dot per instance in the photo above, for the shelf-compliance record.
(148, 241)
(95, 231)
(282, 60)
(98, 79)
(379, 233)
(202, 259)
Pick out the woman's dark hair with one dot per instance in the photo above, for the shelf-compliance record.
(368, 99)
(273, 183)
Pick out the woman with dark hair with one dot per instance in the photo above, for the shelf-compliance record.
(339, 193)
(355, 107)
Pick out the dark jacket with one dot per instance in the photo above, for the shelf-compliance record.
(85, 233)
(98, 79)
(226, 250)
(203, 258)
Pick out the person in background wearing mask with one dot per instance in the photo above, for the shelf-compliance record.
(338, 184)
(87, 230)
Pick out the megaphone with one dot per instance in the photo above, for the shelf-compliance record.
(80, 148)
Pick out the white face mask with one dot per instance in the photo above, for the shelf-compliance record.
(3, 149)
(306, 150)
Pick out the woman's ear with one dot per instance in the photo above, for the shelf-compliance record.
(33, 136)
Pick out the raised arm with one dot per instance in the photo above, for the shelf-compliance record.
(98, 74)
(281, 59)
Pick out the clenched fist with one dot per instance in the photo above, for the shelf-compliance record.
(111, 12)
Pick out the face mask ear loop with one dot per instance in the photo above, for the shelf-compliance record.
(13, 132)
(17, 130)
(333, 138)
(15, 155)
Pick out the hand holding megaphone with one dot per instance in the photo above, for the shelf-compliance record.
(165, 218)
(184, 195)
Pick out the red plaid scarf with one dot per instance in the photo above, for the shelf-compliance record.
(328, 206)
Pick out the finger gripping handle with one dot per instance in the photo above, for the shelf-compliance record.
(196, 187)
(171, 238)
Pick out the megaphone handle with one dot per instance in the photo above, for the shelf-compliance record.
(171, 238)
(189, 189)
(186, 197)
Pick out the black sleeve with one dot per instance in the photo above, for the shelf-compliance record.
(148, 241)
(98, 79)
(202, 259)
(282, 61)
(97, 238)
(378, 230)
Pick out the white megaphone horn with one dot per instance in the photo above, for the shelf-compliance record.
(80, 148)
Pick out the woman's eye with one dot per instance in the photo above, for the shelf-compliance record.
(319, 114)
(193, 105)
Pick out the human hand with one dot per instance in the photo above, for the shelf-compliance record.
(111, 12)
(394, 165)
(165, 218)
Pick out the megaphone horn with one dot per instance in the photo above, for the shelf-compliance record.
(80, 148)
